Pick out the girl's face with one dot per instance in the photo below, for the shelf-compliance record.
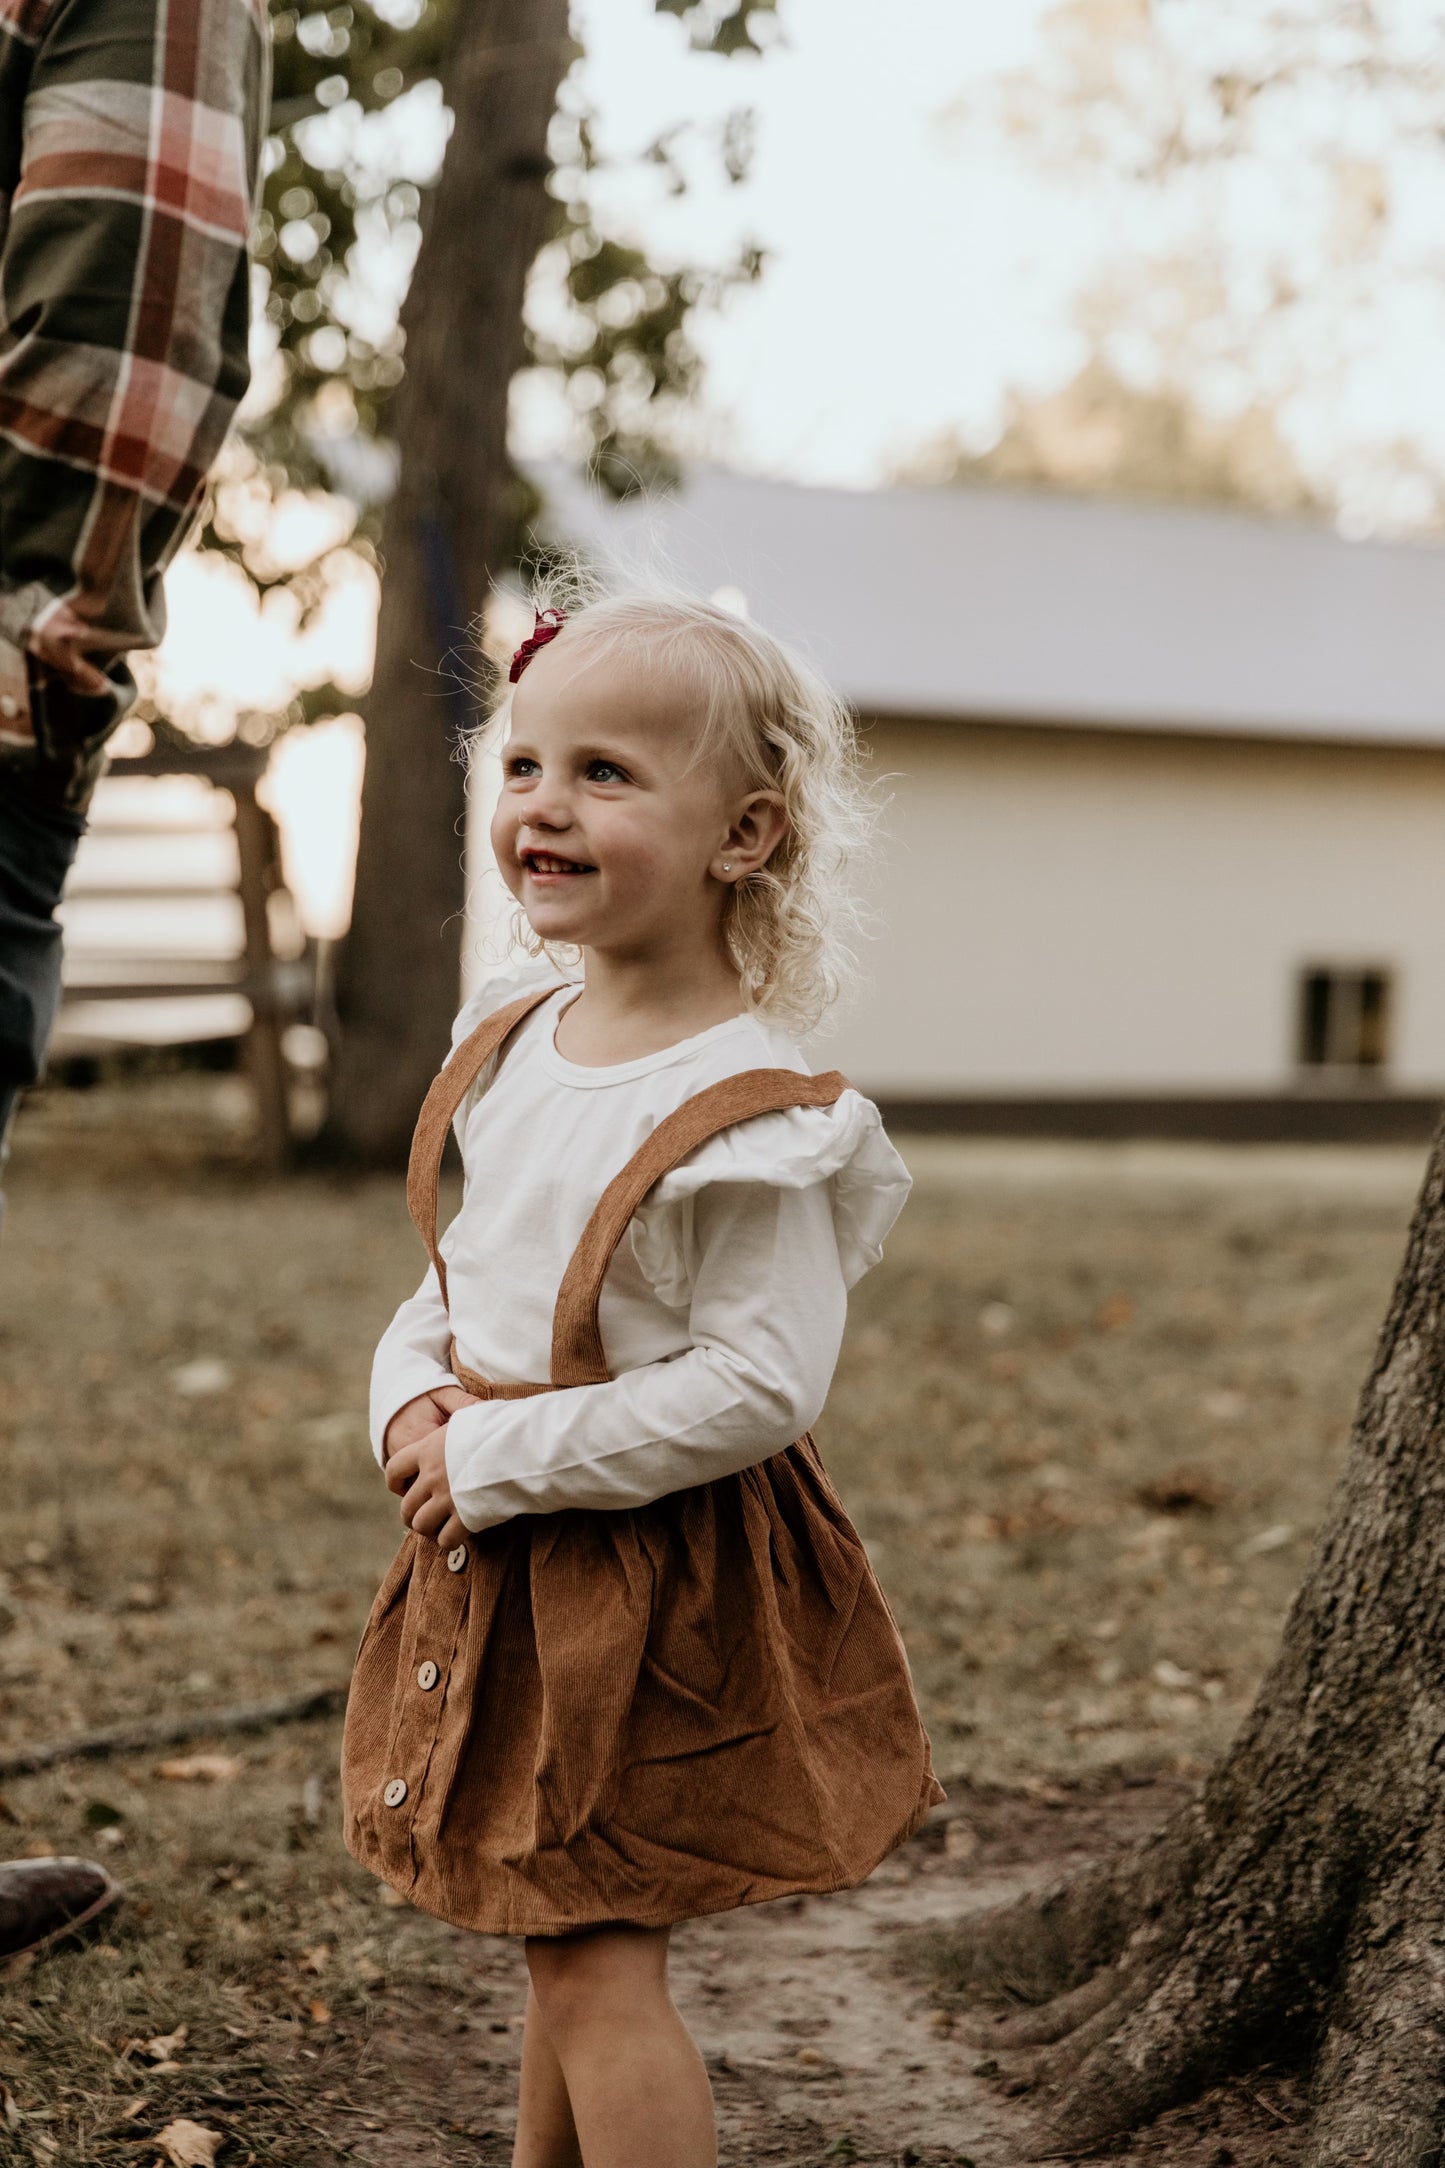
(609, 832)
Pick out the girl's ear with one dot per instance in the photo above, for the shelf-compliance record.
(758, 827)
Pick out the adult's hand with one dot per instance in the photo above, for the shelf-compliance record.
(59, 640)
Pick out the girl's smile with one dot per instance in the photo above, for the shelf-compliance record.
(545, 867)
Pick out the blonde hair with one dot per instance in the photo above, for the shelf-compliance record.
(790, 928)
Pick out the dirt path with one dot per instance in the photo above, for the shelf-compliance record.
(822, 2040)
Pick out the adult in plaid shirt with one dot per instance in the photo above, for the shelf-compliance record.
(130, 142)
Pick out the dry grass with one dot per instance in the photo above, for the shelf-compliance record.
(1088, 1416)
(1070, 1408)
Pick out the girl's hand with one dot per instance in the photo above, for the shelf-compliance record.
(416, 1469)
(422, 1415)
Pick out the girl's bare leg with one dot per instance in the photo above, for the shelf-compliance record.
(636, 2083)
(546, 2133)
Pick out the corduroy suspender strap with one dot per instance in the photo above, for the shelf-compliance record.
(447, 1092)
(577, 1353)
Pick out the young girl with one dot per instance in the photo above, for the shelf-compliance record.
(630, 1664)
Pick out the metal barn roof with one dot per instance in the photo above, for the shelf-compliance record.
(1008, 604)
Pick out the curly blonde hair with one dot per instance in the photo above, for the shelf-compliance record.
(792, 926)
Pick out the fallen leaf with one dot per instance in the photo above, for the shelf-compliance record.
(316, 1960)
(1268, 1539)
(165, 2047)
(189, 2145)
(8, 2107)
(132, 2109)
(207, 1374)
(319, 2012)
(1115, 1313)
(367, 1969)
(200, 1769)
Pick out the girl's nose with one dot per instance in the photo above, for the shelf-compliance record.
(548, 807)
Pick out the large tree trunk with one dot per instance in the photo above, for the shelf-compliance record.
(448, 531)
(1300, 1902)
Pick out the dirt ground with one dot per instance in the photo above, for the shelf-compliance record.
(1087, 1416)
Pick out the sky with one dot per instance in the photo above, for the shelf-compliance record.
(909, 276)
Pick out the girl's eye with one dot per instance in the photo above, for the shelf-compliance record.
(604, 771)
(519, 766)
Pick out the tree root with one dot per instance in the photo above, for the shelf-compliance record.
(1273, 1947)
(1055, 2020)
(1056, 1940)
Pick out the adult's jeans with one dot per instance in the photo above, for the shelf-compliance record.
(38, 842)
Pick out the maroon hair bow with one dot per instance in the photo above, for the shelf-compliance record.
(549, 624)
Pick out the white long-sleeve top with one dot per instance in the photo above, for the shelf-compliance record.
(723, 1307)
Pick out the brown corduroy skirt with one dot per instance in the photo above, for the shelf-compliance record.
(638, 1716)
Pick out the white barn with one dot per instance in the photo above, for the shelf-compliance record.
(1166, 842)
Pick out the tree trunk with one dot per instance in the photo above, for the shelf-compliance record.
(448, 531)
(1300, 1901)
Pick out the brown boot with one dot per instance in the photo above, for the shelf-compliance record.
(42, 1900)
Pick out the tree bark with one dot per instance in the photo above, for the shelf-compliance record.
(448, 530)
(1299, 1903)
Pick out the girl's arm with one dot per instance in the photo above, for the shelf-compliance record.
(766, 1320)
(411, 1358)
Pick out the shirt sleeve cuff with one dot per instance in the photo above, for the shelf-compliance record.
(21, 608)
(466, 1443)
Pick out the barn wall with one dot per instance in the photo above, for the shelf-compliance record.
(1114, 913)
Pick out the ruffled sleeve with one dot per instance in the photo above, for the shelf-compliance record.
(844, 1146)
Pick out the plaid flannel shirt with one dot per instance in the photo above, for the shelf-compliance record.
(130, 144)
